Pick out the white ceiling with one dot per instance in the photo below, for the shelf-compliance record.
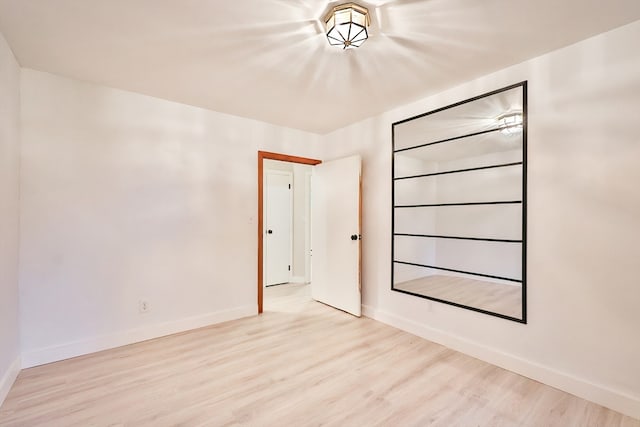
(269, 60)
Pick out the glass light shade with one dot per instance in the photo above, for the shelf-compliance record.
(346, 25)
(510, 123)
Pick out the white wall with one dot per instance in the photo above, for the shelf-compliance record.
(127, 197)
(584, 205)
(301, 221)
(9, 217)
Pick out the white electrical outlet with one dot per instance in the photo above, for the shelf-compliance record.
(143, 306)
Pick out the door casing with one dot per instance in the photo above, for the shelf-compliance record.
(284, 158)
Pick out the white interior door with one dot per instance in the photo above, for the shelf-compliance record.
(335, 231)
(277, 230)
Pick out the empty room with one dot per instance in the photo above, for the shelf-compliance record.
(305, 213)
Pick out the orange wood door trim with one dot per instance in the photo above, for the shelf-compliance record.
(271, 156)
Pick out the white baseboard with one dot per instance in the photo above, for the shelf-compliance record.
(297, 279)
(597, 393)
(92, 345)
(370, 312)
(9, 377)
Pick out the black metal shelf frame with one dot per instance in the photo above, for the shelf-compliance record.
(455, 138)
(424, 175)
(489, 276)
(478, 239)
(523, 202)
(434, 205)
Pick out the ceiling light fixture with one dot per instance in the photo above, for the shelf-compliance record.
(510, 123)
(346, 25)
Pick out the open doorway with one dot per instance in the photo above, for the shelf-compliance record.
(287, 222)
(335, 229)
(267, 165)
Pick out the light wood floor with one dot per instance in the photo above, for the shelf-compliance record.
(490, 296)
(299, 364)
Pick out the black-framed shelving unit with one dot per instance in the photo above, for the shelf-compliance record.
(514, 167)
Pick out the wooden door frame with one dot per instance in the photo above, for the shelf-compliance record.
(262, 155)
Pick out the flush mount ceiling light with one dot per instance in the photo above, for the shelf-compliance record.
(346, 25)
(510, 123)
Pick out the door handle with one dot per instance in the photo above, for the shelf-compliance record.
(356, 237)
(269, 231)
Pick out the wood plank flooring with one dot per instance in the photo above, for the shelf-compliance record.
(299, 364)
(490, 296)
